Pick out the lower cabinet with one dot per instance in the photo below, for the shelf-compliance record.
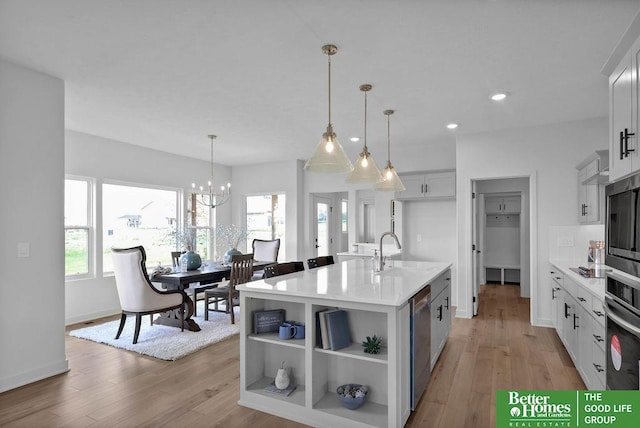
(440, 315)
(579, 321)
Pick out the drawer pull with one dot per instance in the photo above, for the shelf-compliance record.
(558, 277)
(582, 299)
(598, 313)
(598, 338)
(598, 367)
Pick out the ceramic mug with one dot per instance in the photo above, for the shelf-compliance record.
(299, 330)
(287, 331)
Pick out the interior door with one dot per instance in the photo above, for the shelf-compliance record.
(475, 246)
(323, 220)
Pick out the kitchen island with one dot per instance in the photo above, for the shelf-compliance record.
(376, 303)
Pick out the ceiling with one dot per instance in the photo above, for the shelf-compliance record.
(165, 73)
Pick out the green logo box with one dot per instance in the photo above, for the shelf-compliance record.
(520, 409)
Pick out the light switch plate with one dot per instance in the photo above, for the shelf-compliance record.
(23, 249)
(419, 237)
(565, 241)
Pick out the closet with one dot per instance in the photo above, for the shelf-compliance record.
(502, 238)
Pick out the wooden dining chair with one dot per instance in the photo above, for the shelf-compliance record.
(320, 261)
(278, 269)
(241, 271)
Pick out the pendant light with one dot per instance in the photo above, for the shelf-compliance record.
(329, 155)
(390, 180)
(365, 169)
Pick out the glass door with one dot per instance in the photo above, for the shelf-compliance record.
(322, 226)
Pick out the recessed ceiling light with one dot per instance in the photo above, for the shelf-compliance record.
(498, 97)
(355, 139)
(452, 125)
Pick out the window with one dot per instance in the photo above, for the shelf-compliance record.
(266, 219)
(344, 216)
(201, 217)
(77, 227)
(133, 216)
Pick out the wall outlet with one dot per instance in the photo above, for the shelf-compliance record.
(23, 249)
(565, 241)
(419, 237)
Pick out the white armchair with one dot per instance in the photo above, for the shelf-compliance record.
(137, 295)
(264, 251)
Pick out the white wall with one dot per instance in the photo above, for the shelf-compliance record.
(548, 154)
(31, 186)
(104, 159)
(279, 177)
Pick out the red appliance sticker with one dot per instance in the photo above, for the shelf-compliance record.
(616, 352)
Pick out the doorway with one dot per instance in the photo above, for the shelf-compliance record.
(500, 228)
(322, 226)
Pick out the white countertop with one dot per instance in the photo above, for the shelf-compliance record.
(368, 254)
(595, 286)
(354, 281)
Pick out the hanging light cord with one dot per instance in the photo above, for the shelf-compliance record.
(365, 123)
(212, 138)
(388, 141)
(329, 66)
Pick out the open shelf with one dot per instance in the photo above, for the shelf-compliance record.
(296, 397)
(275, 339)
(355, 351)
(370, 413)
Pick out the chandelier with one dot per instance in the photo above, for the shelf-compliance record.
(210, 197)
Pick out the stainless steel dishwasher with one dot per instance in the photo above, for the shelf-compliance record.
(420, 330)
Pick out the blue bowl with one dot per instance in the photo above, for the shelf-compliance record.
(350, 401)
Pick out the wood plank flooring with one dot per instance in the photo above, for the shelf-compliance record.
(109, 387)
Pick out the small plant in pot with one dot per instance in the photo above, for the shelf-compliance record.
(372, 345)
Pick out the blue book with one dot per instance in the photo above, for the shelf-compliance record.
(338, 329)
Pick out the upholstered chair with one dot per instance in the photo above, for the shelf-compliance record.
(136, 293)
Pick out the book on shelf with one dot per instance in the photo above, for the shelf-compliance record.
(287, 391)
(324, 337)
(318, 330)
(338, 329)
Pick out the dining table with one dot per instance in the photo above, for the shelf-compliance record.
(208, 273)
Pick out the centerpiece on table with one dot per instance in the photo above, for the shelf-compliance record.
(186, 238)
(231, 237)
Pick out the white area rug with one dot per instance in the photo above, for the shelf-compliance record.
(163, 342)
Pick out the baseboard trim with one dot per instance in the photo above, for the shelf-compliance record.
(34, 375)
(462, 314)
(92, 316)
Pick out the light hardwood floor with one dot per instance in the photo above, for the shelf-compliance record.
(109, 387)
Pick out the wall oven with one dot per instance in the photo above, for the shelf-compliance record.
(622, 239)
(622, 304)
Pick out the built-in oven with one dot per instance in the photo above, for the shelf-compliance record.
(622, 237)
(622, 307)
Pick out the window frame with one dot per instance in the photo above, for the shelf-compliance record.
(90, 228)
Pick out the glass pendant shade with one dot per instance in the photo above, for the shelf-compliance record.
(365, 168)
(329, 156)
(390, 180)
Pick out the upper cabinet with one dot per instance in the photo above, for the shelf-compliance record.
(428, 185)
(622, 69)
(502, 204)
(591, 177)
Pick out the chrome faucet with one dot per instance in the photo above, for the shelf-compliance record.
(380, 264)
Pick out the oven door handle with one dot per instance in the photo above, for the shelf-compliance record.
(611, 313)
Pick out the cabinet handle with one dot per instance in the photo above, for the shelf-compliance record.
(627, 134)
(426, 187)
(575, 318)
(566, 310)
(422, 188)
(598, 313)
(621, 145)
(598, 367)
(447, 305)
(598, 338)
(440, 313)
(558, 278)
(553, 294)
(582, 299)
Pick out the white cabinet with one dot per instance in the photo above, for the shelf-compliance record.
(623, 115)
(502, 205)
(579, 320)
(591, 178)
(440, 314)
(428, 185)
